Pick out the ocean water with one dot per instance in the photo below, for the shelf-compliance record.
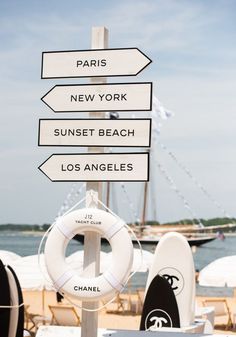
(27, 244)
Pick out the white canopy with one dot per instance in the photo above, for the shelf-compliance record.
(29, 273)
(219, 273)
(34, 277)
(8, 257)
(142, 261)
(76, 259)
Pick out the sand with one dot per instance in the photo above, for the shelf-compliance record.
(113, 316)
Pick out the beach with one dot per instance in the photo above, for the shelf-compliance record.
(128, 317)
(111, 316)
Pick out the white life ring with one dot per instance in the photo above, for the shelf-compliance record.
(67, 280)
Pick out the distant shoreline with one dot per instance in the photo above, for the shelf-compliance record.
(28, 233)
(224, 224)
(24, 228)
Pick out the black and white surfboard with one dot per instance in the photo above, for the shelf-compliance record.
(4, 301)
(173, 260)
(160, 308)
(14, 311)
(19, 324)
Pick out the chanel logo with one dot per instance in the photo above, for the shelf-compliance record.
(175, 279)
(157, 319)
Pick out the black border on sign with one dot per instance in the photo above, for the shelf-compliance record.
(97, 119)
(99, 84)
(91, 50)
(99, 154)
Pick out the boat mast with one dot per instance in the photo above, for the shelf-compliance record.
(145, 201)
(144, 204)
(108, 194)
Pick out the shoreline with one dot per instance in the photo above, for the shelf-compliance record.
(33, 232)
(42, 232)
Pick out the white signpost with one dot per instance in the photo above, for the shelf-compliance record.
(95, 132)
(97, 167)
(93, 63)
(100, 97)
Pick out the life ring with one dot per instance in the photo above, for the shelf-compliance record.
(65, 279)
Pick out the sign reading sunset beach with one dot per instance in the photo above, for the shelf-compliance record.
(95, 132)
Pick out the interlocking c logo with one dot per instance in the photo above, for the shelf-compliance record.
(157, 319)
(174, 277)
(171, 279)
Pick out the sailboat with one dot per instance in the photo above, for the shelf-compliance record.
(151, 234)
(196, 234)
(153, 240)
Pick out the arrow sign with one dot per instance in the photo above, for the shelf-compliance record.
(100, 97)
(95, 132)
(93, 63)
(97, 167)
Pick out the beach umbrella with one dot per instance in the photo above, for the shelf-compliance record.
(29, 273)
(31, 277)
(142, 260)
(141, 263)
(219, 273)
(76, 259)
(34, 277)
(8, 257)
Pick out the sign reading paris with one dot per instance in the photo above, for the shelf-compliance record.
(93, 63)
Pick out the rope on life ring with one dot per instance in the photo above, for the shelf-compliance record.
(67, 280)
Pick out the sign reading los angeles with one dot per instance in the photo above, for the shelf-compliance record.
(95, 132)
(93, 63)
(100, 97)
(97, 167)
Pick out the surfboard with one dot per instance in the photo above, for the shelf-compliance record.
(173, 259)
(160, 309)
(20, 323)
(14, 312)
(4, 301)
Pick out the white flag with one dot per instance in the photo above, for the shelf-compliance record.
(158, 108)
(158, 112)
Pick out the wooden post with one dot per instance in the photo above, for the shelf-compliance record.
(92, 242)
(145, 200)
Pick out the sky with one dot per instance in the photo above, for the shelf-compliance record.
(193, 51)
